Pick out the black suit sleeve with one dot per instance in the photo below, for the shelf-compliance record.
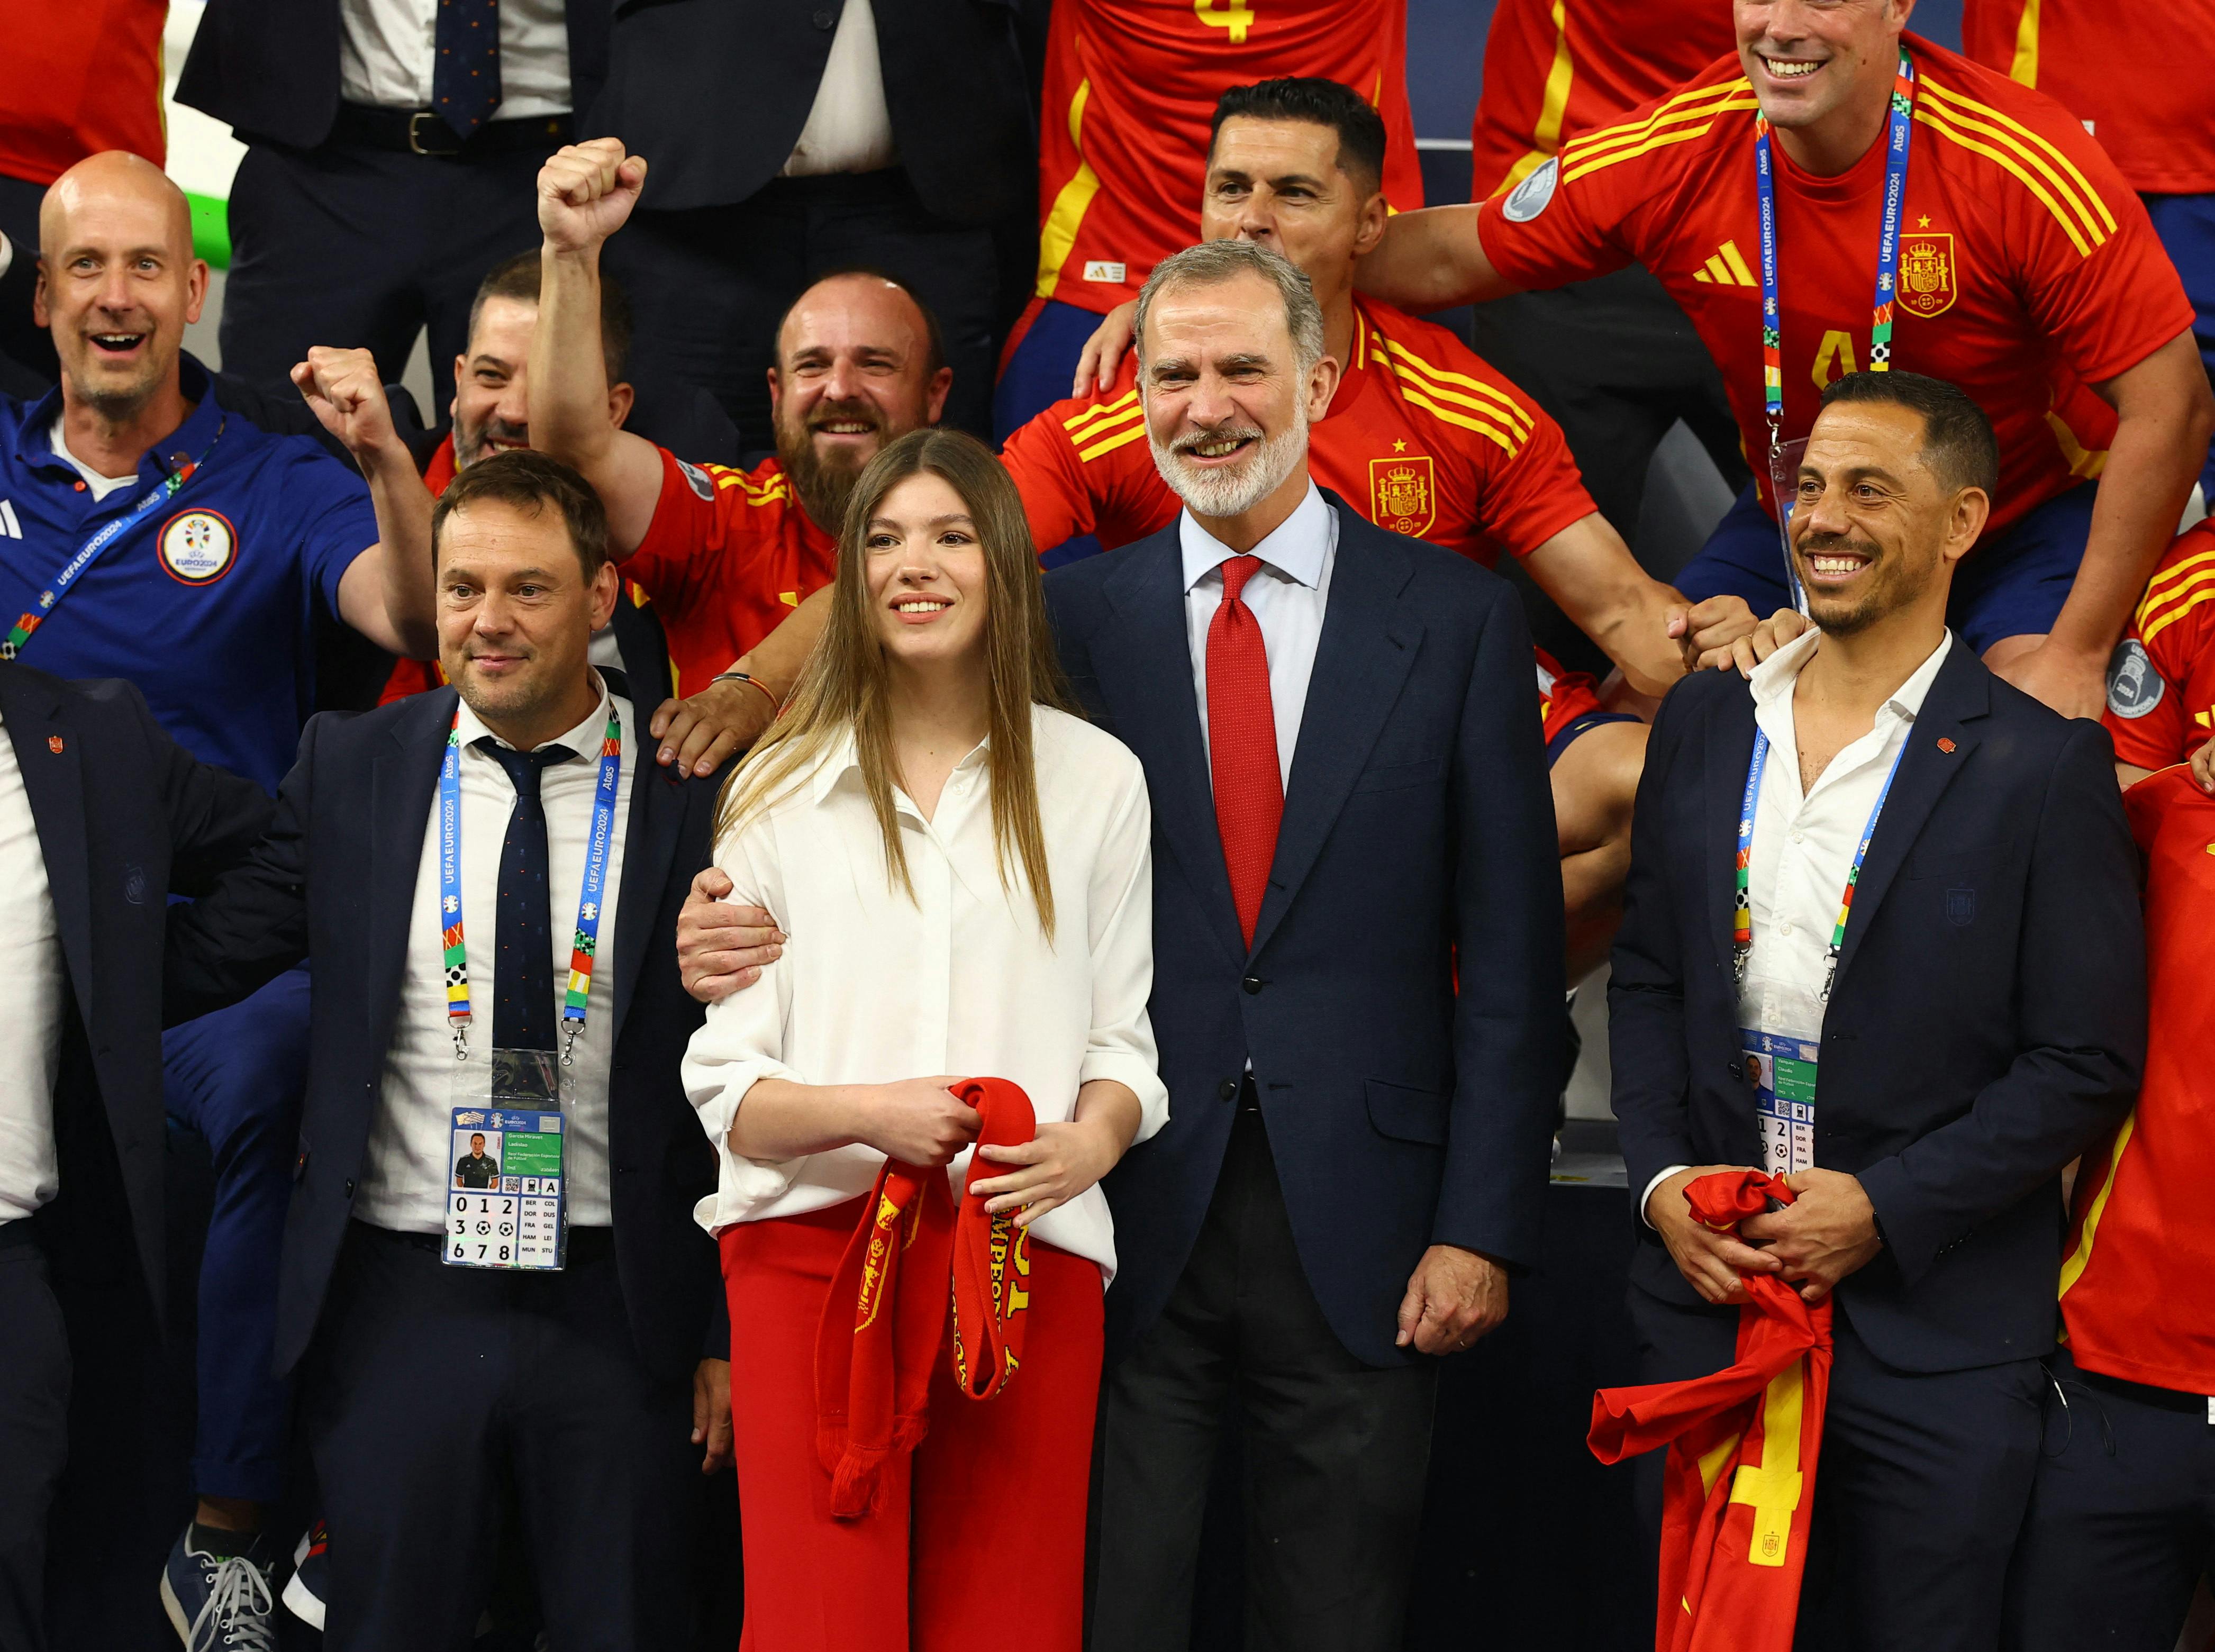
(1646, 981)
(253, 925)
(1509, 1033)
(2081, 1018)
(215, 817)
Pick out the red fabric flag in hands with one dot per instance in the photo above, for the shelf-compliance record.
(1740, 1484)
(888, 1305)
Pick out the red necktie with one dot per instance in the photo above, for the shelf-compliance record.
(1242, 744)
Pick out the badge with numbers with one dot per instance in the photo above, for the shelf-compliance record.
(508, 1195)
(1781, 1072)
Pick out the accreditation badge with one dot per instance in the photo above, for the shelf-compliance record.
(1784, 483)
(1780, 1045)
(507, 1193)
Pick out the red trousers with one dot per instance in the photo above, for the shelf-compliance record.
(984, 1524)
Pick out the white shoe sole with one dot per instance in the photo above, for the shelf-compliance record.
(303, 1602)
(177, 1618)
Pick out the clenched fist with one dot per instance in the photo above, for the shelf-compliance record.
(585, 193)
(348, 394)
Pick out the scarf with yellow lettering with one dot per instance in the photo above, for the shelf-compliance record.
(888, 1304)
(1739, 1487)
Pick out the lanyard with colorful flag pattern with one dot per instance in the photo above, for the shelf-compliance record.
(106, 535)
(1741, 874)
(1899, 126)
(586, 939)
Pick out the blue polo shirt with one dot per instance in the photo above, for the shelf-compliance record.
(207, 602)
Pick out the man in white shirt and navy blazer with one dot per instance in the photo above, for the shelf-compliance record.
(1349, 799)
(425, 1386)
(1970, 1024)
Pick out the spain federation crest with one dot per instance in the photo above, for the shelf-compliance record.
(1404, 494)
(198, 547)
(1927, 285)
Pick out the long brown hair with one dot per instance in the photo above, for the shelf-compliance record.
(843, 686)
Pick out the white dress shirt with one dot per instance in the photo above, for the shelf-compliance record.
(409, 1162)
(1287, 595)
(850, 127)
(1804, 843)
(385, 55)
(30, 1004)
(874, 986)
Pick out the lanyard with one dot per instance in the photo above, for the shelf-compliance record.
(107, 534)
(1887, 247)
(579, 989)
(1742, 908)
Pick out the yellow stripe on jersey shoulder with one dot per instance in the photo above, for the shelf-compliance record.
(2175, 606)
(1487, 428)
(1108, 444)
(1084, 423)
(1668, 125)
(2174, 580)
(1441, 382)
(2053, 180)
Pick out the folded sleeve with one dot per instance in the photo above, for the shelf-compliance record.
(741, 1042)
(1120, 910)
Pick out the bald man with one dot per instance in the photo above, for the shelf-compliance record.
(724, 555)
(146, 533)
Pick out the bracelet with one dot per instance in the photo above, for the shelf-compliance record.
(775, 705)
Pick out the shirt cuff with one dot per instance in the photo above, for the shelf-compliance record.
(1137, 1075)
(742, 1185)
(1647, 1198)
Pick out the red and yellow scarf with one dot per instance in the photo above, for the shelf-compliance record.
(873, 1363)
(1739, 1484)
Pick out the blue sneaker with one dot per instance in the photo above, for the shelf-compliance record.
(303, 1590)
(218, 1604)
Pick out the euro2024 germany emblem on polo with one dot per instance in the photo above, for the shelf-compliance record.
(1927, 285)
(1403, 494)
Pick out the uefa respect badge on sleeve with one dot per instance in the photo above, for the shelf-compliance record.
(507, 1197)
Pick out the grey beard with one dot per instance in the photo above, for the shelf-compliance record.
(1205, 494)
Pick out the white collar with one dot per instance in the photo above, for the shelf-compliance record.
(1774, 677)
(845, 758)
(1297, 548)
(584, 740)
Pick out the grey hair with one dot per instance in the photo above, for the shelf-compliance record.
(1212, 262)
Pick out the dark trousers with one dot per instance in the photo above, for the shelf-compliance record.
(431, 1388)
(2122, 1517)
(709, 283)
(1335, 1451)
(1616, 362)
(34, 1390)
(1920, 1493)
(358, 247)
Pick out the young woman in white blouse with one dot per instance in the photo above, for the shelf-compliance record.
(962, 868)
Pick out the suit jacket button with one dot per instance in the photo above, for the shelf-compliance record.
(349, 1187)
(1228, 1090)
(825, 21)
(1252, 982)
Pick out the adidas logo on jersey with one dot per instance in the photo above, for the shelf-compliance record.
(1727, 268)
(9, 527)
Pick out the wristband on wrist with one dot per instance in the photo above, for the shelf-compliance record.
(775, 705)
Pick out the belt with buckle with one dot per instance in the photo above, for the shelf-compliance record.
(423, 131)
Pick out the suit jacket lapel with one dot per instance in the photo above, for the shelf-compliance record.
(1960, 692)
(1729, 754)
(1143, 665)
(46, 753)
(1362, 659)
(403, 780)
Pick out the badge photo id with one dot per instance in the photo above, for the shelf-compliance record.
(507, 1193)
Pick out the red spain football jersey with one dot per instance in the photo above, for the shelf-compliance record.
(2132, 71)
(2161, 684)
(2138, 1273)
(1553, 70)
(729, 555)
(2028, 271)
(1423, 436)
(1131, 86)
(79, 78)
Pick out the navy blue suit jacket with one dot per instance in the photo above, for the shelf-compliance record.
(126, 816)
(1418, 828)
(337, 878)
(1987, 1021)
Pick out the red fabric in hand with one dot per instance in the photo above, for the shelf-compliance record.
(874, 1360)
(1740, 1484)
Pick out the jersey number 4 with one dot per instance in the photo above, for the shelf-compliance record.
(1235, 16)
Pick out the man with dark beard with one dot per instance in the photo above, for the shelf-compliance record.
(724, 553)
